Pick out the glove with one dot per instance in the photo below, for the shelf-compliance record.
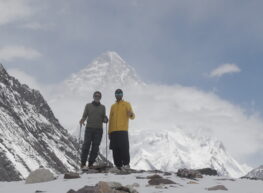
(105, 120)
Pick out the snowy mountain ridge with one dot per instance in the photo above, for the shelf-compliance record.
(256, 173)
(168, 150)
(30, 135)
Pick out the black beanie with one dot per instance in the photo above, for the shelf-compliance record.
(118, 91)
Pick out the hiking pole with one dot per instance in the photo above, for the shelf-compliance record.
(106, 144)
(79, 149)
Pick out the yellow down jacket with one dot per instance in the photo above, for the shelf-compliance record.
(119, 118)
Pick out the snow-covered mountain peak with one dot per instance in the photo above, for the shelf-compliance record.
(110, 57)
(108, 70)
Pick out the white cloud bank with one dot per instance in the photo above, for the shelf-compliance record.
(12, 10)
(225, 69)
(10, 53)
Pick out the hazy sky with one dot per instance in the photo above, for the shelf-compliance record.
(179, 41)
(213, 45)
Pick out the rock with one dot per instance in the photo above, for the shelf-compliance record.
(218, 187)
(208, 171)
(114, 185)
(158, 181)
(167, 174)
(103, 187)
(123, 189)
(40, 175)
(191, 174)
(91, 171)
(71, 175)
(155, 176)
(226, 179)
(140, 177)
(113, 170)
(106, 187)
(131, 189)
(123, 172)
(85, 189)
(156, 171)
(192, 182)
(136, 185)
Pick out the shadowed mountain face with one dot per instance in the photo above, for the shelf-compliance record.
(30, 135)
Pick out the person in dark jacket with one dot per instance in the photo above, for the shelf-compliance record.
(95, 114)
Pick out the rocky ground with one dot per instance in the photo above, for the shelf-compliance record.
(132, 181)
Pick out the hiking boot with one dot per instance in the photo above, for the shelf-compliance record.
(126, 167)
(82, 166)
(115, 170)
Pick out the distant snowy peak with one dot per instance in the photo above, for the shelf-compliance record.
(256, 173)
(176, 149)
(107, 70)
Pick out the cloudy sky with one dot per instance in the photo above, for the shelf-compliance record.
(212, 45)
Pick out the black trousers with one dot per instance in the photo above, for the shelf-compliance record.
(119, 143)
(92, 139)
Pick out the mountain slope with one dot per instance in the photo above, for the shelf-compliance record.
(30, 135)
(256, 173)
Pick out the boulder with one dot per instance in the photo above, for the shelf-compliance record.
(103, 187)
(114, 185)
(192, 182)
(85, 189)
(218, 187)
(208, 171)
(159, 181)
(71, 175)
(167, 174)
(106, 187)
(188, 173)
(155, 176)
(40, 175)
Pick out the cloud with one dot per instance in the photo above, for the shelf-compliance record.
(37, 26)
(12, 10)
(159, 107)
(225, 69)
(10, 53)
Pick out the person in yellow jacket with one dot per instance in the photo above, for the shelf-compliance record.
(120, 113)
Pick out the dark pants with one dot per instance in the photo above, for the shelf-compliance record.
(119, 143)
(92, 138)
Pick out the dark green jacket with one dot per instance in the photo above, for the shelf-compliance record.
(94, 114)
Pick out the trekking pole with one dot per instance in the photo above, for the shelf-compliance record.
(79, 149)
(106, 144)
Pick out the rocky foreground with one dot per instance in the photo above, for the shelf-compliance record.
(131, 181)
